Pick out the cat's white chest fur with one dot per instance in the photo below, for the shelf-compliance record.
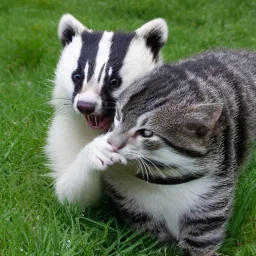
(164, 202)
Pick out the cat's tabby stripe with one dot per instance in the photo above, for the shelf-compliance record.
(202, 115)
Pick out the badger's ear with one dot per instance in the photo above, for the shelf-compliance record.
(155, 32)
(69, 27)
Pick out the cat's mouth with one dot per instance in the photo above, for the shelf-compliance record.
(99, 122)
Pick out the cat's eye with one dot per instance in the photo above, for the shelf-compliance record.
(114, 83)
(76, 76)
(145, 133)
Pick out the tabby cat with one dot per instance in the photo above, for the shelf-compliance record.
(189, 125)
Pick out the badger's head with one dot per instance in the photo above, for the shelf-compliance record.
(95, 67)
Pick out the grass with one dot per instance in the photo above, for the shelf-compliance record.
(32, 221)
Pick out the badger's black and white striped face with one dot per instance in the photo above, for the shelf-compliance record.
(95, 67)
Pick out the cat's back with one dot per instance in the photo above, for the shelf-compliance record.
(221, 60)
(227, 76)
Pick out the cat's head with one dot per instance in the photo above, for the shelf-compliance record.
(152, 124)
(95, 67)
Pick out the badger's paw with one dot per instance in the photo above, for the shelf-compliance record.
(102, 154)
(118, 158)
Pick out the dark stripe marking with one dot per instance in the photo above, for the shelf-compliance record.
(203, 243)
(184, 151)
(207, 220)
(89, 50)
(118, 51)
(169, 180)
(154, 42)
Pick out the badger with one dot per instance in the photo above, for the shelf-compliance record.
(93, 70)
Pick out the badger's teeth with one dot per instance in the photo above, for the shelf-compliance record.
(96, 120)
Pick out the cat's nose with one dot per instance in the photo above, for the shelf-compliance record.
(116, 142)
(85, 107)
(116, 148)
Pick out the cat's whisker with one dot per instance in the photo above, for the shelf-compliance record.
(149, 169)
(145, 168)
(141, 168)
(161, 173)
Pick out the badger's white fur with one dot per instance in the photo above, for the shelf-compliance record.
(78, 153)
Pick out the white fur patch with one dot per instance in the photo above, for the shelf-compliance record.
(69, 20)
(103, 55)
(135, 66)
(159, 25)
(76, 158)
(166, 203)
(67, 65)
(168, 156)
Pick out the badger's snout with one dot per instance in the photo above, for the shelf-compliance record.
(86, 107)
(88, 102)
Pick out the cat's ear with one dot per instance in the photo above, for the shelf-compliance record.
(155, 33)
(68, 28)
(202, 118)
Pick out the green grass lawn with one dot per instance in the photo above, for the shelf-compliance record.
(32, 222)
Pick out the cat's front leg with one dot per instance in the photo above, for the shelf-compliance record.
(203, 237)
(81, 181)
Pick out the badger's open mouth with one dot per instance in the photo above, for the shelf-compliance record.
(99, 122)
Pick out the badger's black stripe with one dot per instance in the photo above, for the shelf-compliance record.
(118, 51)
(168, 180)
(88, 55)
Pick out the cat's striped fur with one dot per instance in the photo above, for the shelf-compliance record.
(198, 118)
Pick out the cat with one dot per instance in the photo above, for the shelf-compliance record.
(190, 126)
(93, 70)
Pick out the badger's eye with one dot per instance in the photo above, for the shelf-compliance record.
(145, 133)
(114, 83)
(76, 76)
